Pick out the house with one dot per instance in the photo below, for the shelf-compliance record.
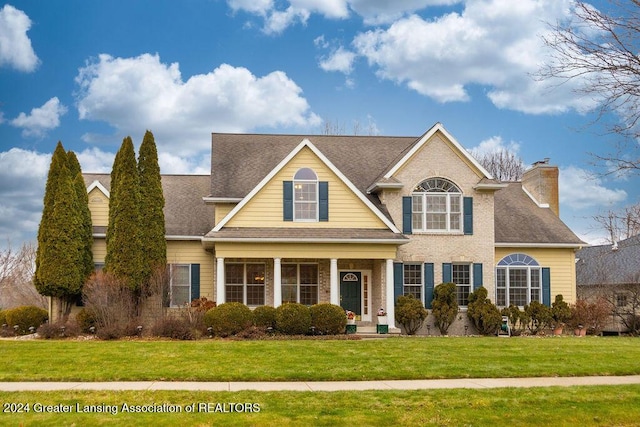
(357, 221)
(612, 272)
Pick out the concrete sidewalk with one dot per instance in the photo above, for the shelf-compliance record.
(477, 383)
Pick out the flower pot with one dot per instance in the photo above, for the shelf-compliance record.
(557, 330)
(580, 332)
(351, 321)
(383, 320)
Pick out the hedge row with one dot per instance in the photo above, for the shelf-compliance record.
(24, 318)
(230, 319)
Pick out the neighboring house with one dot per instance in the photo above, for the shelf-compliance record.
(357, 221)
(612, 272)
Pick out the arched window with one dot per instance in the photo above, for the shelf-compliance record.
(305, 195)
(436, 206)
(518, 280)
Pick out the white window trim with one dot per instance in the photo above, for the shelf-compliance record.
(449, 195)
(298, 285)
(421, 285)
(506, 287)
(316, 201)
(470, 285)
(244, 283)
(171, 285)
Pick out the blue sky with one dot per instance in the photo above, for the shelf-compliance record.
(89, 73)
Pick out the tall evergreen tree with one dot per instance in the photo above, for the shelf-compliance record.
(124, 250)
(61, 256)
(152, 230)
(85, 213)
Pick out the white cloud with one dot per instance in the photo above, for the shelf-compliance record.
(492, 43)
(135, 94)
(15, 45)
(495, 144)
(340, 60)
(376, 12)
(94, 160)
(23, 175)
(41, 119)
(579, 189)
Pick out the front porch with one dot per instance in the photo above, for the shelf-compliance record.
(357, 285)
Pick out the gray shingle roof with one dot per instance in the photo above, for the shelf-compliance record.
(185, 213)
(308, 234)
(602, 264)
(518, 219)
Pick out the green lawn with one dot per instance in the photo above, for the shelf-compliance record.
(583, 406)
(311, 360)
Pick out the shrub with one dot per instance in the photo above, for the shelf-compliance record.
(264, 316)
(54, 330)
(539, 316)
(26, 316)
(445, 306)
(328, 319)
(110, 332)
(410, 313)
(485, 315)
(85, 320)
(560, 312)
(3, 317)
(293, 319)
(228, 318)
(175, 328)
(111, 302)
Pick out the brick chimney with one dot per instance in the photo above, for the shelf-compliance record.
(541, 181)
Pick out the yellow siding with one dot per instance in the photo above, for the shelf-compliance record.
(191, 252)
(305, 250)
(99, 207)
(99, 250)
(345, 209)
(562, 267)
(221, 210)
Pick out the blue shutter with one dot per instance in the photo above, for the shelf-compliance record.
(287, 200)
(477, 276)
(429, 284)
(546, 286)
(323, 198)
(407, 203)
(446, 273)
(195, 281)
(398, 280)
(467, 206)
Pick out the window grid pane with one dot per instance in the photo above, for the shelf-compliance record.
(234, 274)
(255, 295)
(289, 293)
(179, 295)
(461, 276)
(308, 274)
(255, 274)
(234, 293)
(309, 295)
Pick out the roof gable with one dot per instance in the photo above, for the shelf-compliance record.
(450, 140)
(366, 205)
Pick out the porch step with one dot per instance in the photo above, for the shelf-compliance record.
(371, 332)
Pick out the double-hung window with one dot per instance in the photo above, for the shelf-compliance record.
(180, 285)
(413, 280)
(300, 283)
(436, 206)
(518, 281)
(305, 195)
(461, 276)
(245, 283)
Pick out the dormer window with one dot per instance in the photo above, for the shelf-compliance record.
(305, 195)
(436, 206)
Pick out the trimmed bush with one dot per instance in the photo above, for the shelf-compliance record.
(86, 319)
(539, 316)
(228, 319)
(26, 316)
(445, 306)
(485, 315)
(264, 316)
(293, 319)
(328, 319)
(3, 317)
(560, 312)
(410, 313)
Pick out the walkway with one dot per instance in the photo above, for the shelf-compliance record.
(477, 383)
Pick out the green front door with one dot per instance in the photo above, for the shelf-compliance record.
(351, 291)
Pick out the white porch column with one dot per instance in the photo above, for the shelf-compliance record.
(220, 281)
(391, 312)
(277, 282)
(334, 294)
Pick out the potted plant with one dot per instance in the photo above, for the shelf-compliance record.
(382, 317)
(351, 317)
(560, 314)
(580, 317)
